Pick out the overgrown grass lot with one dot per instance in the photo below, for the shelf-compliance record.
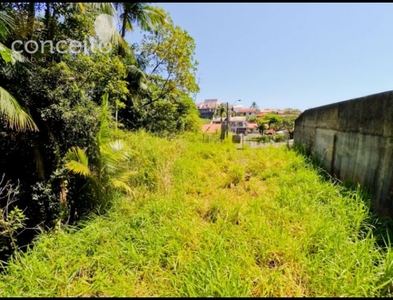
(207, 219)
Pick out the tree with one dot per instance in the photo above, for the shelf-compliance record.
(262, 127)
(288, 122)
(160, 82)
(272, 120)
(148, 18)
(63, 96)
(292, 111)
(67, 162)
(133, 114)
(169, 59)
(252, 119)
(110, 171)
(10, 109)
(254, 105)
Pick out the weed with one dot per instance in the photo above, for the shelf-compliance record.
(282, 229)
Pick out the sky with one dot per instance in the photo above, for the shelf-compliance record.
(288, 55)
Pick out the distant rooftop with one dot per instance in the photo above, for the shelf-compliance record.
(246, 110)
(211, 128)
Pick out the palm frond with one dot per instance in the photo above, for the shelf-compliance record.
(148, 18)
(81, 6)
(6, 54)
(128, 21)
(17, 118)
(137, 82)
(104, 8)
(117, 39)
(10, 56)
(135, 73)
(103, 132)
(78, 161)
(121, 185)
(78, 168)
(117, 145)
(5, 22)
(6, 19)
(77, 154)
(152, 18)
(115, 155)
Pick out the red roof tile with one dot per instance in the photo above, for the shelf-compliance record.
(252, 125)
(211, 128)
(246, 110)
(272, 131)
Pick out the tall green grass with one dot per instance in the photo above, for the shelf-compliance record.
(207, 219)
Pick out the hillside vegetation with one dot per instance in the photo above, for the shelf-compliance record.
(206, 219)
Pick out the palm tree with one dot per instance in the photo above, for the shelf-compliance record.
(147, 17)
(105, 7)
(10, 109)
(254, 105)
(110, 171)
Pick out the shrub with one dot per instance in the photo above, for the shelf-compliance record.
(280, 138)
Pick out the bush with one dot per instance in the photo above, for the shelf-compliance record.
(12, 219)
(280, 138)
(264, 139)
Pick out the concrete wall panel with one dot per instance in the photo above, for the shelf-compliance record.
(353, 140)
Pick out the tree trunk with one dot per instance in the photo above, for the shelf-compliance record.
(123, 28)
(30, 23)
(31, 19)
(63, 193)
(222, 130)
(121, 51)
(48, 21)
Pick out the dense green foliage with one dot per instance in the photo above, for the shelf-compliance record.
(279, 122)
(62, 106)
(206, 219)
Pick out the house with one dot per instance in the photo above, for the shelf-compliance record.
(235, 108)
(237, 124)
(252, 127)
(207, 108)
(266, 111)
(270, 132)
(218, 120)
(246, 112)
(211, 128)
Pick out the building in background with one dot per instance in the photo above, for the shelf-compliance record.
(246, 112)
(238, 125)
(207, 108)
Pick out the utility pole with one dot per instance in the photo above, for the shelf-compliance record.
(227, 131)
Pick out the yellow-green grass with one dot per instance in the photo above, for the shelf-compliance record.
(207, 219)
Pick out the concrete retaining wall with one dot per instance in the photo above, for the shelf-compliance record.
(353, 140)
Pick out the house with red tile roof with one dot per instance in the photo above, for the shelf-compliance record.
(252, 127)
(246, 112)
(211, 128)
(270, 131)
(265, 111)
